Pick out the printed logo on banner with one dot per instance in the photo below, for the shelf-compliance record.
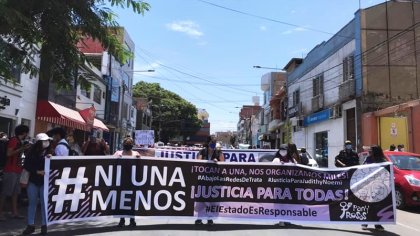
(371, 184)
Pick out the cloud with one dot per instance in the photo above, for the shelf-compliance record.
(297, 29)
(188, 27)
(292, 11)
(263, 28)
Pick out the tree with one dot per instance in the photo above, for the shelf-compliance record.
(172, 115)
(51, 30)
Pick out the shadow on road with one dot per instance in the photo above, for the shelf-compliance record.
(191, 227)
(412, 210)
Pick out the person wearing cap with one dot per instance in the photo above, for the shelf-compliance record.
(211, 152)
(34, 164)
(347, 157)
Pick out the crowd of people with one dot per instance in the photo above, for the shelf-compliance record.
(24, 165)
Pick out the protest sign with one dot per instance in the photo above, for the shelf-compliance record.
(144, 138)
(81, 188)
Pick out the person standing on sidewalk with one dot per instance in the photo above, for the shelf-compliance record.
(211, 152)
(128, 144)
(59, 137)
(376, 155)
(34, 164)
(13, 169)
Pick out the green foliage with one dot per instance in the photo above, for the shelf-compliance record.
(52, 29)
(175, 115)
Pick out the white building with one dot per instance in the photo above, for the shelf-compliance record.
(22, 96)
(321, 96)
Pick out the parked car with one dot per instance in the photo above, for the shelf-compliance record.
(407, 177)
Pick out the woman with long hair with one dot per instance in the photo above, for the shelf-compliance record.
(34, 164)
(376, 155)
(294, 153)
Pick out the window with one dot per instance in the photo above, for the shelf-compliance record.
(97, 94)
(16, 73)
(85, 92)
(296, 97)
(348, 68)
(318, 85)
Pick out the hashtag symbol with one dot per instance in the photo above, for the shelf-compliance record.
(64, 183)
(208, 208)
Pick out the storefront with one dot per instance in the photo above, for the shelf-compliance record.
(79, 123)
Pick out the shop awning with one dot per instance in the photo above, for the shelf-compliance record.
(58, 114)
(100, 125)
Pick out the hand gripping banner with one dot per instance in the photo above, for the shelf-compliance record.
(81, 188)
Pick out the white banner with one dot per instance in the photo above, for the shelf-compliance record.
(144, 137)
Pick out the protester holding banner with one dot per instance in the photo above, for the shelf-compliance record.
(294, 153)
(376, 155)
(212, 152)
(347, 157)
(128, 144)
(34, 164)
(283, 155)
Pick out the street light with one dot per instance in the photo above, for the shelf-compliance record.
(141, 71)
(269, 68)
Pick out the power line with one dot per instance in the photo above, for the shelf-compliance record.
(269, 19)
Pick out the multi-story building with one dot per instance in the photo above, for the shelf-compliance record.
(270, 131)
(246, 118)
(18, 102)
(120, 114)
(368, 65)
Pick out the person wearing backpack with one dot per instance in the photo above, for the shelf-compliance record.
(13, 169)
(62, 148)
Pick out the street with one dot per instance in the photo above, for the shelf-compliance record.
(407, 225)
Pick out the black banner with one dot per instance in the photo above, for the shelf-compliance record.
(86, 188)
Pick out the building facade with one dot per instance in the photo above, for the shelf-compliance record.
(368, 65)
(18, 102)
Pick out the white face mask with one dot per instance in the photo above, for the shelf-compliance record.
(402, 149)
(45, 144)
(283, 153)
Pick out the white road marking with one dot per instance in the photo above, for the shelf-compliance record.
(408, 227)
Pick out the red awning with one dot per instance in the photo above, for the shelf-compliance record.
(99, 125)
(58, 114)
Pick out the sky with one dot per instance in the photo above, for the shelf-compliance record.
(205, 50)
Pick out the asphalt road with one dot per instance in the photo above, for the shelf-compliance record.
(408, 223)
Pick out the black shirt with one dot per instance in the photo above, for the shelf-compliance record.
(35, 162)
(209, 154)
(348, 158)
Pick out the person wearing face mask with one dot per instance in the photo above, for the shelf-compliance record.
(283, 156)
(347, 157)
(400, 148)
(128, 144)
(212, 151)
(34, 164)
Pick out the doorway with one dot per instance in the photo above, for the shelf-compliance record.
(321, 148)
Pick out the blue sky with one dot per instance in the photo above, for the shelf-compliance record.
(206, 54)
